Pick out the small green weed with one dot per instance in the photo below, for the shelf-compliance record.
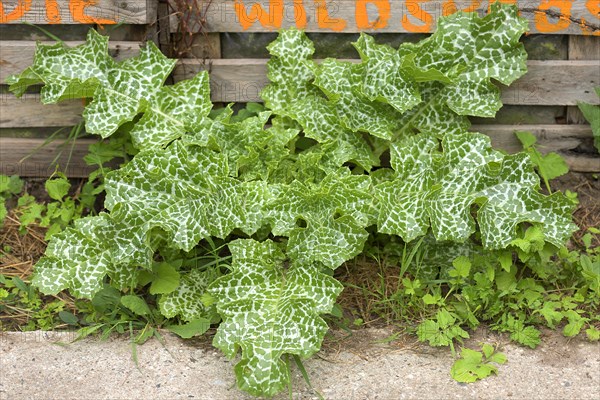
(23, 307)
(474, 365)
(9, 186)
(549, 166)
(591, 112)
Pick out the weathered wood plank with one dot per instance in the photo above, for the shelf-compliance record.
(16, 55)
(187, 40)
(101, 12)
(566, 140)
(26, 157)
(558, 138)
(563, 139)
(555, 82)
(414, 16)
(241, 80)
(28, 111)
(582, 48)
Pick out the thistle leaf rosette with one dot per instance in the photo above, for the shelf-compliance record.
(270, 309)
(307, 181)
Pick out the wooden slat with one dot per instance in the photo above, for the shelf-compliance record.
(13, 161)
(28, 111)
(566, 140)
(78, 12)
(582, 48)
(563, 139)
(16, 55)
(402, 15)
(555, 82)
(547, 83)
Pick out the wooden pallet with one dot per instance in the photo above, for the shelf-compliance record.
(551, 83)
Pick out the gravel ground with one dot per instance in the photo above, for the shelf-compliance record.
(45, 365)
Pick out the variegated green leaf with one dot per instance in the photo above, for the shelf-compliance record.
(270, 309)
(321, 122)
(432, 115)
(385, 78)
(289, 70)
(79, 258)
(252, 151)
(342, 82)
(468, 52)
(292, 94)
(325, 222)
(120, 90)
(438, 189)
(132, 85)
(185, 301)
(174, 111)
(67, 73)
(187, 192)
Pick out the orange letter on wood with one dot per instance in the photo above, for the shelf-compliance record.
(449, 7)
(271, 19)
(22, 7)
(52, 12)
(299, 14)
(593, 7)
(362, 16)
(77, 9)
(413, 7)
(323, 19)
(542, 22)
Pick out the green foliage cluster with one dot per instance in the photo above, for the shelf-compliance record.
(62, 210)
(474, 365)
(351, 149)
(548, 166)
(9, 186)
(20, 298)
(591, 113)
(446, 288)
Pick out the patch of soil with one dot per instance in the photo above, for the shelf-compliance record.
(19, 252)
(587, 214)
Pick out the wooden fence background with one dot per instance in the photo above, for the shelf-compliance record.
(228, 38)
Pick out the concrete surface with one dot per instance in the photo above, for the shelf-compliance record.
(33, 366)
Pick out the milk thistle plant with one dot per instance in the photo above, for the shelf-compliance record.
(379, 144)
